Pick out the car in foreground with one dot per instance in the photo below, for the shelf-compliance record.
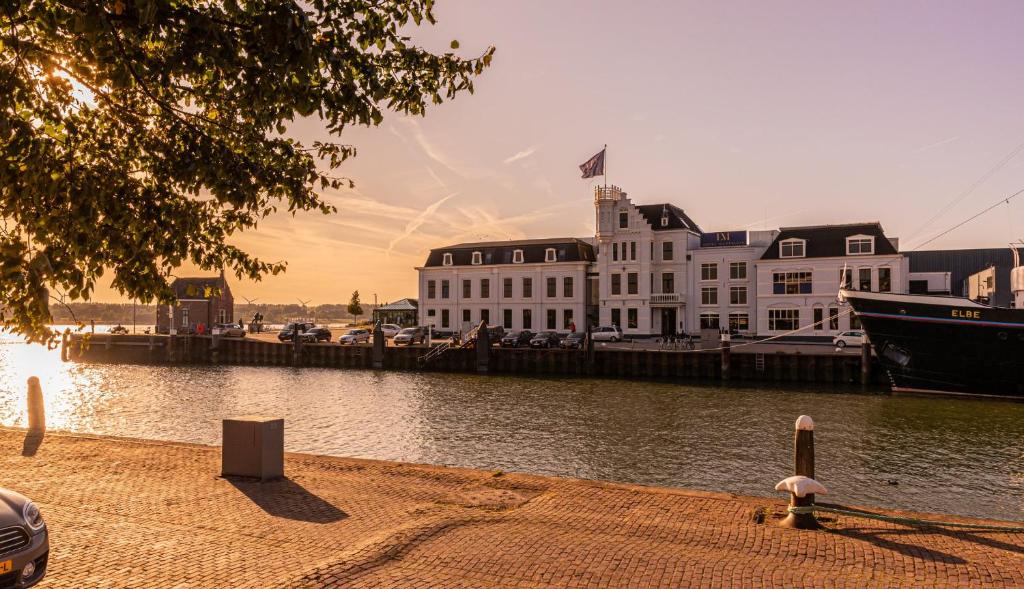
(315, 335)
(410, 336)
(24, 542)
(573, 341)
(545, 339)
(230, 330)
(849, 338)
(517, 339)
(355, 336)
(390, 329)
(286, 334)
(606, 334)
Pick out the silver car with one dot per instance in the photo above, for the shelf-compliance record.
(24, 542)
(390, 329)
(606, 334)
(355, 336)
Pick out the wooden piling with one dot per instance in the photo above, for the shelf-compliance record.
(36, 409)
(803, 465)
(725, 355)
(865, 364)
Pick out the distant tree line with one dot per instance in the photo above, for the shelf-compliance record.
(114, 313)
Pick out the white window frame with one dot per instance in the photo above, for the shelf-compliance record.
(860, 240)
(447, 260)
(478, 258)
(550, 255)
(664, 220)
(712, 292)
(733, 266)
(184, 316)
(222, 316)
(517, 256)
(713, 267)
(775, 316)
(738, 290)
(792, 242)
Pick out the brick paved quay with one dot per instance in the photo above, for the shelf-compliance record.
(128, 513)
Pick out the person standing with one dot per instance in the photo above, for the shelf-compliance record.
(572, 326)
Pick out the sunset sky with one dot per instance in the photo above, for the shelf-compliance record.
(746, 115)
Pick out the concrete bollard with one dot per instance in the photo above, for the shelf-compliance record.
(865, 364)
(36, 409)
(802, 486)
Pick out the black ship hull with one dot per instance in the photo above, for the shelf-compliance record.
(944, 344)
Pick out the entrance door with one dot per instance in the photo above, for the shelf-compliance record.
(668, 322)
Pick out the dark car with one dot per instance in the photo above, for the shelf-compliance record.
(314, 335)
(515, 339)
(574, 341)
(288, 332)
(545, 339)
(24, 542)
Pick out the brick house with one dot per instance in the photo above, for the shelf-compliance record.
(204, 300)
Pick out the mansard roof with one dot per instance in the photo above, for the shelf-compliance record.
(567, 249)
(829, 241)
(677, 218)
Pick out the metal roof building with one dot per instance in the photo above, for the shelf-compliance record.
(962, 263)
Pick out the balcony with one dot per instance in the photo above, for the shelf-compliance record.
(670, 299)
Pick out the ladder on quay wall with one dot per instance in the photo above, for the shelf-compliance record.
(759, 362)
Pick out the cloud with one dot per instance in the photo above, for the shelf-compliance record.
(522, 154)
(418, 221)
(429, 148)
(930, 146)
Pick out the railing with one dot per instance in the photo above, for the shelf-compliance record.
(434, 353)
(608, 193)
(663, 299)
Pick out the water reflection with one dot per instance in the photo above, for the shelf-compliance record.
(952, 455)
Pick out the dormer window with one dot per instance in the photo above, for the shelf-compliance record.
(860, 245)
(549, 254)
(792, 248)
(447, 260)
(517, 257)
(664, 216)
(477, 259)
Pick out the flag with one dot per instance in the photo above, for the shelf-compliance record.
(594, 166)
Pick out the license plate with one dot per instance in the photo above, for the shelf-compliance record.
(6, 566)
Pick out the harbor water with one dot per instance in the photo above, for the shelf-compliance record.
(950, 455)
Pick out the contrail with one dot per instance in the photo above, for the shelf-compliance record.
(418, 221)
(522, 154)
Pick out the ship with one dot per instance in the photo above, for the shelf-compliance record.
(946, 344)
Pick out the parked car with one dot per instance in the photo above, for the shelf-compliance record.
(119, 330)
(355, 336)
(545, 339)
(606, 334)
(573, 341)
(516, 339)
(24, 541)
(317, 334)
(411, 335)
(390, 329)
(230, 330)
(288, 332)
(849, 338)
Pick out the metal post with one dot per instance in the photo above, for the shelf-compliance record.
(803, 465)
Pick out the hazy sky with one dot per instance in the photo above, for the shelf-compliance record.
(783, 113)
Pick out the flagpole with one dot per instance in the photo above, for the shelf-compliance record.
(605, 167)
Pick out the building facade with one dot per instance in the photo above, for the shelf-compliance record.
(724, 272)
(534, 284)
(200, 300)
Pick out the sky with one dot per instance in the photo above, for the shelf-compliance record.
(748, 115)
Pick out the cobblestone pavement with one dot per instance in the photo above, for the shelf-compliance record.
(127, 513)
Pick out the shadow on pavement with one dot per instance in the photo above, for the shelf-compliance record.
(31, 443)
(876, 537)
(288, 499)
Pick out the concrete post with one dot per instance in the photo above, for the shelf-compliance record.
(803, 466)
(379, 341)
(726, 355)
(36, 409)
(865, 364)
(483, 348)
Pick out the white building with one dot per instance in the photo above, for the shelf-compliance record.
(725, 280)
(799, 276)
(535, 284)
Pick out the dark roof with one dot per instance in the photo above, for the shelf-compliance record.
(829, 241)
(399, 305)
(677, 218)
(195, 287)
(567, 249)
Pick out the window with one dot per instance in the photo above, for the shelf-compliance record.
(623, 220)
(631, 318)
(632, 250)
(222, 316)
(666, 251)
(477, 258)
(791, 283)
(864, 279)
(567, 287)
(845, 278)
(783, 319)
(737, 295)
(466, 316)
(527, 288)
(709, 320)
(431, 312)
(615, 252)
(617, 317)
(709, 271)
(833, 318)
(447, 261)
(668, 282)
(885, 279)
(616, 284)
(854, 321)
(651, 247)
(549, 254)
(664, 220)
(860, 245)
(506, 288)
(485, 288)
(444, 318)
(566, 318)
(517, 257)
(709, 295)
(506, 318)
(552, 287)
(467, 289)
(527, 319)
(631, 283)
(819, 319)
(184, 317)
(431, 289)
(737, 270)
(739, 322)
(792, 248)
(485, 316)
(445, 292)
(552, 319)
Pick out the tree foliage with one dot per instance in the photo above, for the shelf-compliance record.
(354, 307)
(138, 135)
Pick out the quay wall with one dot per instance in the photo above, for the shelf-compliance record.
(826, 368)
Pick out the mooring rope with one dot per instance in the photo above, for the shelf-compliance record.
(910, 521)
